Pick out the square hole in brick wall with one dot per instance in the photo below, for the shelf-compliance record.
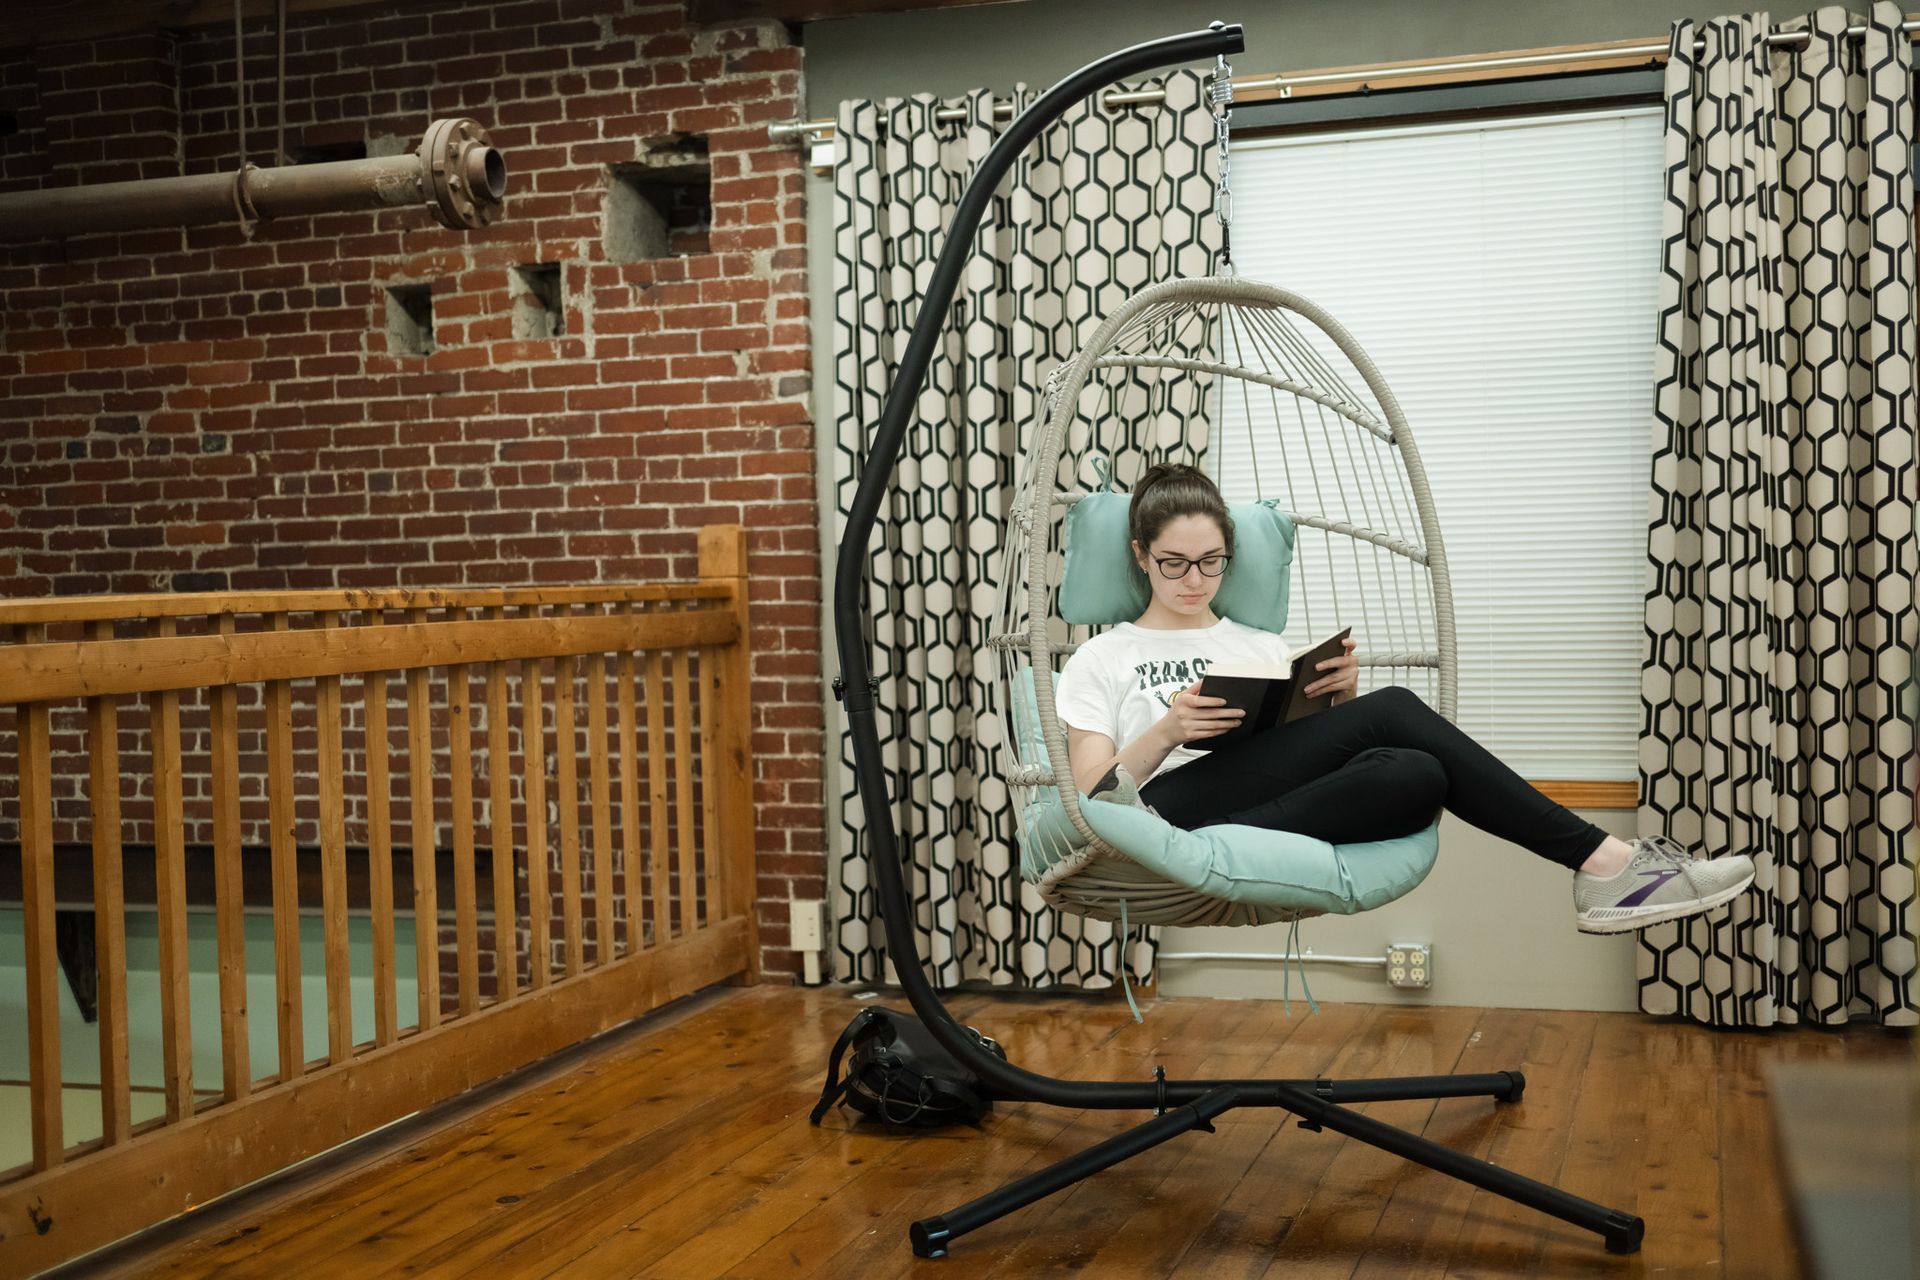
(410, 319)
(539, 303)
(661, 206)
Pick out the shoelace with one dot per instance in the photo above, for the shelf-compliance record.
(1665, 849)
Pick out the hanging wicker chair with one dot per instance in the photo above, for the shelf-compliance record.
(1273, 397)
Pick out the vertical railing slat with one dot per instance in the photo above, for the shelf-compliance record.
(533, 745)
(109, 909)
(567, 768)
(170, 899)
(286, 882)
(733, 887)
(600, 778)
(229, 900)
(386, 996)
(331, 768)
(506, 946)
(712, 856)
(629, 790)
(657, 795)
(683, 789)
(460, 776)
(426, 900)
(34, 720)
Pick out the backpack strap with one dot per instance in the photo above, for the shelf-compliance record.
(833, 1090)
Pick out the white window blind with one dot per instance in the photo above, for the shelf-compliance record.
(1502, 277)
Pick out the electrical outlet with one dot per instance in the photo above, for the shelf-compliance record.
(806, 929)
(1410, 964)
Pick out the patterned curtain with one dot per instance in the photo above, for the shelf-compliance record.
(1102, 204)
(1781, 615)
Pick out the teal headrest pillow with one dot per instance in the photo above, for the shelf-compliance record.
(1102, 585)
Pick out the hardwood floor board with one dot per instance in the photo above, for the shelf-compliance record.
(767, 1207)
(1425, 1213)
(320, 1214)
(1498, 1237)
(498, 1152)
(1241, 1237)
(1679, 1182)
(1606, 1149)
(683, 1151)
(651, 1096)
(555, 1222)
(1339, 1219)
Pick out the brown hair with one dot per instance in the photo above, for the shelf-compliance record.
(1168, 491)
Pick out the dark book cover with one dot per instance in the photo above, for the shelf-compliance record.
(1269, 693)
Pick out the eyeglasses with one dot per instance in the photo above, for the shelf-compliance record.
(1176, 567)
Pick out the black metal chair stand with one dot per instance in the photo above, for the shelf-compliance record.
(1177, 1105)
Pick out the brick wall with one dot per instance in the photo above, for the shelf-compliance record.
(195, 409)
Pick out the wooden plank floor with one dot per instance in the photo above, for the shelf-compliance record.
(680, 1149)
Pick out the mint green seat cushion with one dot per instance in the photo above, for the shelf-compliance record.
(1102, 585)
(1254, 865)
(1263, 867)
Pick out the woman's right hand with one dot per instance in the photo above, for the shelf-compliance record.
(1192, 716)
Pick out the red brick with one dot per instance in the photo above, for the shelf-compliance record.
(491, 461)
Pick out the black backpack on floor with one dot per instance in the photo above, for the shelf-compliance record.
(901, 1075)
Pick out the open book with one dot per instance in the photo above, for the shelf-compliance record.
(1271, 693)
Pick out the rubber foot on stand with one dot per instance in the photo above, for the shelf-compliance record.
(1624, 1233)
(930, 1236)
(1516, 1089)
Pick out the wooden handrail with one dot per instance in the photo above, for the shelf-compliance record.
(192, 603)
(54, 670)
(650, 783)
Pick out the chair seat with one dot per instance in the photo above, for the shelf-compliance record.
(1223, 874)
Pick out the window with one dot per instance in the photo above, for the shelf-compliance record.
(1502, 276)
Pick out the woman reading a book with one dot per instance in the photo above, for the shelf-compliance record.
(1367, 767)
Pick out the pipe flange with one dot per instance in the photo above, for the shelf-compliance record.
(466, 178)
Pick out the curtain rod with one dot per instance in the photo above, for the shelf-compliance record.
(821, 130)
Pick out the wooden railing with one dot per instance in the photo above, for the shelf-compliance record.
(350, 718)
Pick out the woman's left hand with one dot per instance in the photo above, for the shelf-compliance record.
(1341, 678)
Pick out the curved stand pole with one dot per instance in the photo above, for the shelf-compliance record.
(1194, 1102)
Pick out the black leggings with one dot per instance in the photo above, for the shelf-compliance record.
(1380, 766)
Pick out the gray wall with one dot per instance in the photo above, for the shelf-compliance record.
(1500, 919)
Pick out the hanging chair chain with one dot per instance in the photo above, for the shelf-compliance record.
(1221, 98)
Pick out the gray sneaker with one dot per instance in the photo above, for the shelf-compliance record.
(1661, 882)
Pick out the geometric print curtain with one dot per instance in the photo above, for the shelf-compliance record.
(1100, 205)
(1780, 619)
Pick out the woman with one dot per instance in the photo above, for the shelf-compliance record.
(1366, 768)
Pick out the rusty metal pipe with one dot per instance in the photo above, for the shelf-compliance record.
(456, 174)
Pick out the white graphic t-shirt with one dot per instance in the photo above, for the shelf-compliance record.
(1123, 680)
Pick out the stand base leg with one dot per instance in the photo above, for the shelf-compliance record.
(1622, 1232)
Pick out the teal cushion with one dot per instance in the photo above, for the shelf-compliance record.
(1266, 867)
(1102, 585)
(1255, 865)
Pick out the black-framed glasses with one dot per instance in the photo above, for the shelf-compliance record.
(1175, 567)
